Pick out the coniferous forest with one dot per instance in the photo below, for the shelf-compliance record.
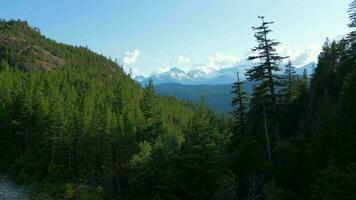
(74, 125)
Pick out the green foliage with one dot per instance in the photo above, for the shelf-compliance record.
(332, 183)
(86, 130)
(217, 97)
(228, 187)
(69, 191)
(90, 193)
(200, 157)
(268, 62)
(239, 104)
(272, 192)
(82, 124)
(289, 84)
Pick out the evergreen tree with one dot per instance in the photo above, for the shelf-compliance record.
(264, 74)
(352, 14)
(239, 104)
(148, 101)
(88, 131)
(290, 78)
(200, 157)
(269, 62)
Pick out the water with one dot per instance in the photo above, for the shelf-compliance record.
(11, 191)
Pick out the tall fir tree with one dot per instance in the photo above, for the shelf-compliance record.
(239, 104)
(264, 73)
(289, 82)
(148, 100)
(269, 60)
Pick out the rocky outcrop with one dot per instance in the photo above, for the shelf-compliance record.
(27, 57)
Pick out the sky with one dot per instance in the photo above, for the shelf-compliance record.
(150, 36)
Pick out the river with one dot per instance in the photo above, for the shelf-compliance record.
(10, 191)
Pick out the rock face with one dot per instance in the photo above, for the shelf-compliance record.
(10, 191)
(28, 57)
(36, 58)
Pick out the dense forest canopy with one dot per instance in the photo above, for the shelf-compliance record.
(73, 125)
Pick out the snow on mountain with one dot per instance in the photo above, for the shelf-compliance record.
(196, 74)
(174, 75)
(177, 74)
(310, 67)
(221, 76)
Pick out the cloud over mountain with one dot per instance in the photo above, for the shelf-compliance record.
(217, 62)
(220, 76)
(300, 56)
(130, 57)
(183, 60)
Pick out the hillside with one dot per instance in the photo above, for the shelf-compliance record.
(217, 97)
(71, 120)
(25, 48)
(74, 126)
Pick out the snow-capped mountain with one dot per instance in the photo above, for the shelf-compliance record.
(197, 74)
(221, 76)
(174, 75)
(310, 67)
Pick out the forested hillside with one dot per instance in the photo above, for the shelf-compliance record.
(75, 126)
(74, 129)
(216, 97)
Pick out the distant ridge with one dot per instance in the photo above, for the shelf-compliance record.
(197, 77)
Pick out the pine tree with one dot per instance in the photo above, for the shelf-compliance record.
(264, 74)
(347, 46)
(269, 62)
(239, 104)
(346, 138)
(264, 71)
(200, 157)
(352, 14)
(289, 83)
(148, 100)
(141, 170)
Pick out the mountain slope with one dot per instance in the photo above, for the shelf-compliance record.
(215, 90)
(25, 48)
(71, 120)
(217, 97)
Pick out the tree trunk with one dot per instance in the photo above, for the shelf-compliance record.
(267, 135)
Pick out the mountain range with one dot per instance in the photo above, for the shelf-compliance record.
(214, 87)
(199, 77)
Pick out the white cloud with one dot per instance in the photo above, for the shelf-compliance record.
(163, 69)
(298, 55)
(183, 60)
(218, 61)
(130, 57)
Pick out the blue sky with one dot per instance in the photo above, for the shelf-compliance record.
(150, 36)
